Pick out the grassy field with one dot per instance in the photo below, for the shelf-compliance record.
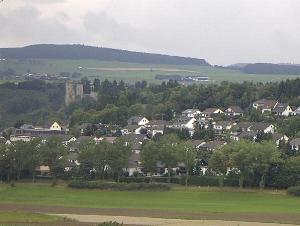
(27, 217)
(192, 200)
(92, 68)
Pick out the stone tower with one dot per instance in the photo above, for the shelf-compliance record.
(73, 91)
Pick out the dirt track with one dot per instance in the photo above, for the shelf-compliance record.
(251, 217)
(146, 221)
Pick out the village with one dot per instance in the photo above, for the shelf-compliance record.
(227, 125)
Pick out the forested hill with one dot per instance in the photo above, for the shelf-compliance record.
(51, 51)
(264, 68)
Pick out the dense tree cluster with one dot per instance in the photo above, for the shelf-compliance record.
(117, 102)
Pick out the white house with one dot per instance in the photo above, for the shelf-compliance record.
(191, 113)
(234, 111)
(209, 112)
(296, 112)
(184, 123)
(277, 137)
(135, 129)
(264, 105)
(295, 144)
(222, 126)
(281, 109)
(55, 126)
(137, 120)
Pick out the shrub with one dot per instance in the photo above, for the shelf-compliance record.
(295, 191)
(110, 223)
(119, 186)
(201, 181)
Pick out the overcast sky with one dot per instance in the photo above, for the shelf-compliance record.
(220, 31)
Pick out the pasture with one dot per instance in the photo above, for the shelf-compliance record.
(180, 203)
(132, 72)
(180, 199)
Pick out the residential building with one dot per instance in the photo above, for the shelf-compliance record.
(234, 111)
(281, 109)
(296, 112)
(264, 105)
(137, 120)
(209, 112)
(295, 144)
(191, 113)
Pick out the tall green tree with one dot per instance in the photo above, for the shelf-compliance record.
(169, 146)
(150, 155)
(54, 155)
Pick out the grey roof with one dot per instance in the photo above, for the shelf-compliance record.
(27, 126)
(297, 111)
(157, 123)
(244, 125)
(195, 143)
(295, 142)
(277, 136)
(210, 110)
(110, 139)
(266, 103)
(224, 123)
(134, 120)
(84, 138)
(259, 126)
(280, 107)
(131, 127)
(183, 120)
(135, 137)
(158, 127)
(211, 145)
(73, 156)
(235, 109)
(190, 111)
(247, 135)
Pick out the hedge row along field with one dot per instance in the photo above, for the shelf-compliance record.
(119, 186)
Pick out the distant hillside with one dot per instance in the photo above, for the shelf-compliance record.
(50, 51)
(263, 68)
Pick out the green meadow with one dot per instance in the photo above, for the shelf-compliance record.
(230, 200)
(95, 68)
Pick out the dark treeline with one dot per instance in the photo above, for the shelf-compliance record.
(90, 52)
(33, 101)
(263, 68)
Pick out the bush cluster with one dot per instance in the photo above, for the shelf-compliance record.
(295, 191)
(110, 223)
(119, 186)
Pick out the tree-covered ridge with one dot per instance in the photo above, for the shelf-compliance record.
(278, 69)
(89, 52)
(31, 101)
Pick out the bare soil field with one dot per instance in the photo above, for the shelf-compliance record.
(220, 217)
